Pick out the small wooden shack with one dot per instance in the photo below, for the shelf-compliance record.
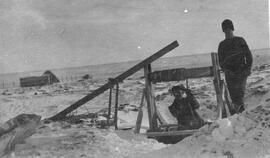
(46, 79)
(51, 76)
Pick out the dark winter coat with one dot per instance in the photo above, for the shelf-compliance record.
(235, 57)
(184, 110)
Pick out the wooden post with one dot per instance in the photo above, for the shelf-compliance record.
(150, 100)
(227, 96)
(116, 106)
(140, 115)
(110, 106)
(187, 83)
(226, 103)
(217, 84)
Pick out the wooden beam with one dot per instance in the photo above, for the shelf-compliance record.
(180, 74)
(172, 133)
(168, 125)
(224, 97)
(116, 106)
(150, 100)
(217, 84)
(140, 115)
(110, 106)
(199, 72)
(227, 96)
(119, 78)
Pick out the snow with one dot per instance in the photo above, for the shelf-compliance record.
(242, 135)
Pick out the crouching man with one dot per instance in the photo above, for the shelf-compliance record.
(184, 108)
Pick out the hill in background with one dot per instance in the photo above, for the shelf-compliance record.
(104, 71)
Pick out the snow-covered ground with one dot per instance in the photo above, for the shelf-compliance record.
(244, 135)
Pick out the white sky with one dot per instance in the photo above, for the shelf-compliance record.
(38, 34)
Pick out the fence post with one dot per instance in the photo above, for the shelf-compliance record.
(150, 99)
(140, 114)
(217, 84)
(116, 106)
(110, 106)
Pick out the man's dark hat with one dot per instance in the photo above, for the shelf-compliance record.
(227, 24)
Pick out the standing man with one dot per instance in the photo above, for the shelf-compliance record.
(235, 60)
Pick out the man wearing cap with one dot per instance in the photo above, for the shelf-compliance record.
(184, 108)
(235, 60)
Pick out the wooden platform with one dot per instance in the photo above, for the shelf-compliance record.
(171, 133)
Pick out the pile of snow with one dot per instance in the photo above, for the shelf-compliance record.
(243, 135)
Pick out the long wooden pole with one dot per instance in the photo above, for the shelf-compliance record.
(140, 115)
(110, 106)
(116, 106)
(150, 100)
(224, 98)
(217, 84)
(119, 78)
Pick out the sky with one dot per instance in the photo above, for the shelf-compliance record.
(47, 34)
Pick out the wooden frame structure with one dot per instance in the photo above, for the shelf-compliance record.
(155, 120)
(110, 84)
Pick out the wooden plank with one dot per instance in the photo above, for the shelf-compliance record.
(199, 72)
(147, 61)
(172, 133)
(150, 100)
(187, 86)
(223, 90)
(180, 74)
(140, 115)
(116, 106)
(119, 78)
(168, 125)
(227, 96)
(167, 75)
(217, 84)
(110, 106)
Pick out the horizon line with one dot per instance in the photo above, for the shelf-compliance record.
(60, 68)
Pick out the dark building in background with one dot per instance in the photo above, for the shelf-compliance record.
(46, 79)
